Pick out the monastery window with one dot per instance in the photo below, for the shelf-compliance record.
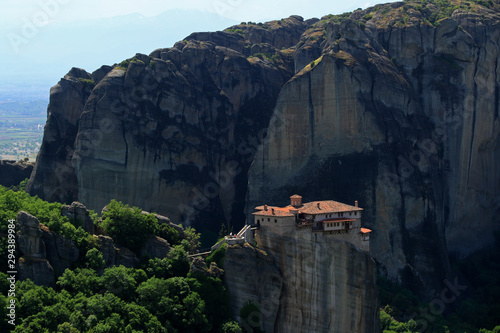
(268, 219)
(275, 221)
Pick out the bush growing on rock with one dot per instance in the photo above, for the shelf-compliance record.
(128, 226)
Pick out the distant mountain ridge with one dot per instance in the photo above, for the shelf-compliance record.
(58, 46)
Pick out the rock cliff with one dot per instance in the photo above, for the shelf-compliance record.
(12, 172)
(395, 106)
(399, 111)
(45, 255)
(172, 132)
(304, 282)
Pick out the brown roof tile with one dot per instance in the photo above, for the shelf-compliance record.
(325, 207)
(328, 206)
(273, 211)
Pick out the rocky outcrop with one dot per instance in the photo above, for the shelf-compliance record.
(44, 255)
(78, 213)
(54, 178)
(30, 236)
(155, 247)
(12, 172)
(61, 251)
(37, 270)
(304, 282)
(251, 276)
(115, 255)
(199, 266)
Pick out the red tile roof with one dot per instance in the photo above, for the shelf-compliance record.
(365, 230)
(278, 211)
(315, 207)
(325, 207)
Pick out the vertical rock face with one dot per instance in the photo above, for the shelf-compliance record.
(12, 172)
(306, 282)
(173, 132)
(344, 130)
(251, 276)
(395, 106)
(54, 177)
(44, 254)
(401, 115)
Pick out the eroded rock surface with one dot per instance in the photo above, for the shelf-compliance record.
(80, 214)
(12, 172)
(44, 255)
(388, 106)
(304, 282)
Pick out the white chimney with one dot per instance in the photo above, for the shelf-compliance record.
(356, 203)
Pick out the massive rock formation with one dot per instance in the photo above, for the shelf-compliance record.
(12, 172)
(304, 282)
(54, 178)
(395, 106)
(401, 115)
(251, 276)
(44, 255)
(168, 132)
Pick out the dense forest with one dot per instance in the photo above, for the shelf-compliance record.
(161, 295)
(168, 295)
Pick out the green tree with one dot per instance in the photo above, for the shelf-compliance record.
(215, 296)
(231, 327)
(217, 256)
(191, 239)
(80, 280)
(169, 233)
(128, 226)
(176, 263)
(94, 259)
(174, 303)
(122, 281)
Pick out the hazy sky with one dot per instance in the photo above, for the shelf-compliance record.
(40, 39)
(15, 11)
